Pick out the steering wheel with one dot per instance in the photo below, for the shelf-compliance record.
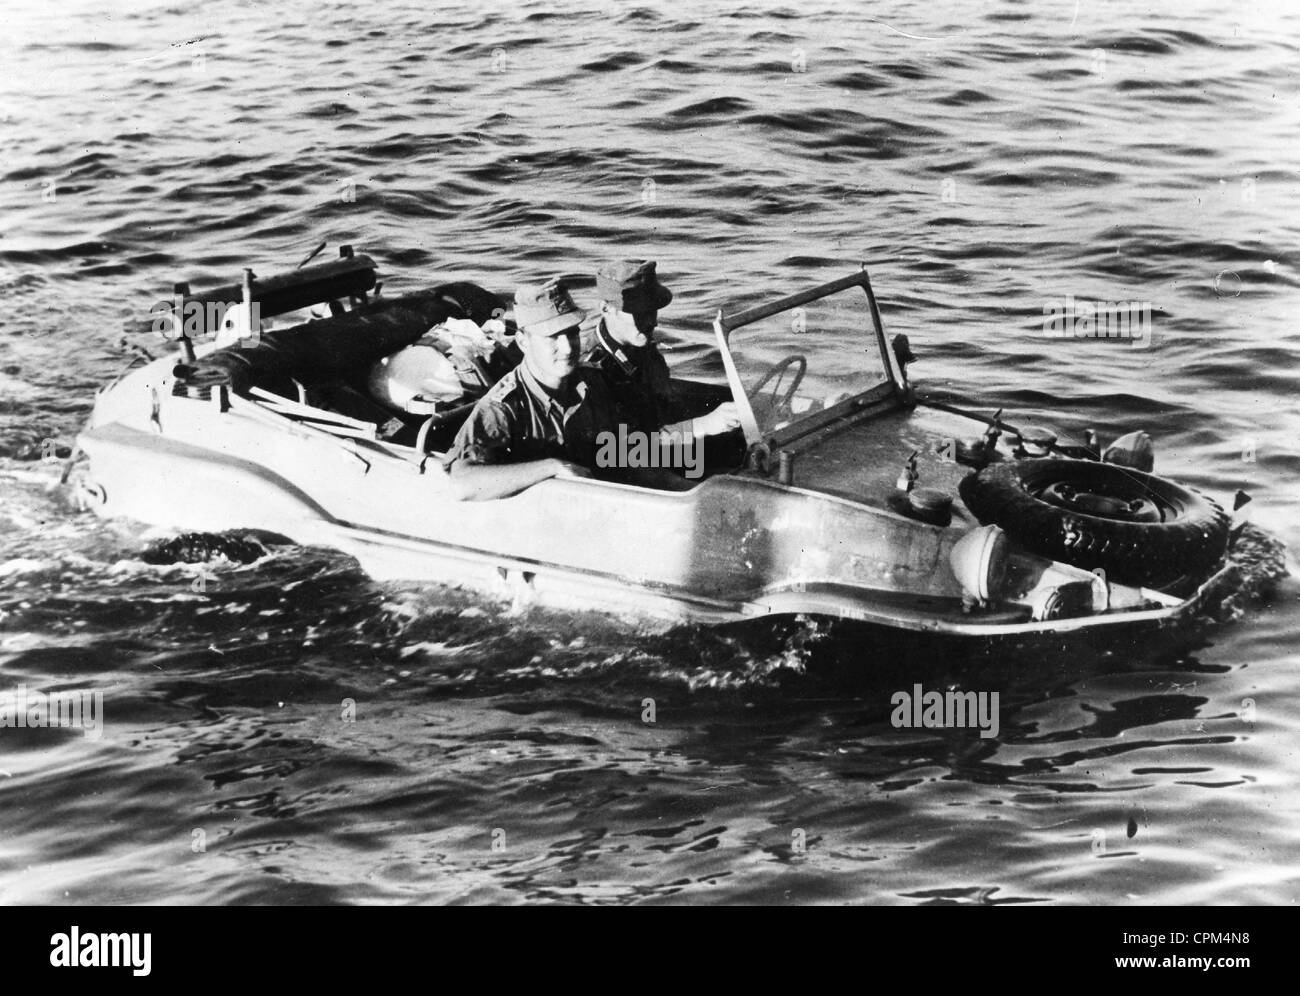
(779, 368)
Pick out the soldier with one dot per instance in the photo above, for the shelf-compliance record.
(631, 296)
(542, 419)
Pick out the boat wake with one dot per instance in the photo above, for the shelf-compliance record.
(1261, 561)
(235, 546)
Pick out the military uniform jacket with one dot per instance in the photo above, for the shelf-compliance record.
(642, 388)
(519, 420)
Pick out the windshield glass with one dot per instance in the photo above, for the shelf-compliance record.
(804, 360)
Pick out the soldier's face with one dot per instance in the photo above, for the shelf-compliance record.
(631, 328)
(646, 322)
(551, 357)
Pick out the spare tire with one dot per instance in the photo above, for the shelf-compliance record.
(1138, 528)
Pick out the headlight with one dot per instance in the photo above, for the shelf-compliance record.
(979, 562)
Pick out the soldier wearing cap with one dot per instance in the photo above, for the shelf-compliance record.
(542, 419)
(631, 297)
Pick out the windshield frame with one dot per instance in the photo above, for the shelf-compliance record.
(894, 388)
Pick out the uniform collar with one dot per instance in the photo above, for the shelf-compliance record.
(551, 403)
(615, 349)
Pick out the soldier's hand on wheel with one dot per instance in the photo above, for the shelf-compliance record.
(722, 419)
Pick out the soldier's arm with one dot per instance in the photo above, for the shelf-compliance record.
(656, 378)
(479, 466)
(724, 418)
(484, 481)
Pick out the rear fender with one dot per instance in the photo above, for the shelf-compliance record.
(154, 479)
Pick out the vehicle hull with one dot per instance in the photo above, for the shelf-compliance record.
(736, 547)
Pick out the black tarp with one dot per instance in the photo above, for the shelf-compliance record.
(342, 347)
